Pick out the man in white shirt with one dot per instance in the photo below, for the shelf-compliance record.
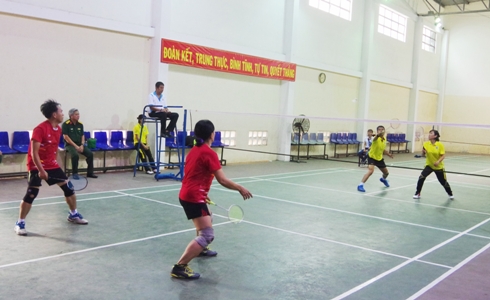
(161, 111)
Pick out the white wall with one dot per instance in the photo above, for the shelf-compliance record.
(128, 11)
(106, 74)
(252, 25)
(103, 74)
(322, 38)
(392, 59)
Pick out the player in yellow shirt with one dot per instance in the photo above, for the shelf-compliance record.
(435, 154)
(375, 158)
(144, 149)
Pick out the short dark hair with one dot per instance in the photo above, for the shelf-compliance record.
(203, 131)
(436, 133)
(158, 84)
(49, 107)
(380, 126)
(370, 130)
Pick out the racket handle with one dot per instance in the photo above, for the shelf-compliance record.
(208, 201)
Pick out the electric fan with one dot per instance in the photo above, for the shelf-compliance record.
(300, 126)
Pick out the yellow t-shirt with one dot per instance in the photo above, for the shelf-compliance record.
(144, 134)
(377, 149)
(433, 153)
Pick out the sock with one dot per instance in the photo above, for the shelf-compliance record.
(73, 212)
(361, 184)
(21, 221)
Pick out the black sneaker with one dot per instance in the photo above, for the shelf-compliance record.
(183, 272)
(208, 252)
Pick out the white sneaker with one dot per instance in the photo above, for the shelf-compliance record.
(149, 172)
(416, 196)
(20, 228)
(77, 219)
(451, 197)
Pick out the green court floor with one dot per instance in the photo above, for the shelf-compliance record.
(307, 234)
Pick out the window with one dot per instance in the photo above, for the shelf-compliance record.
(228, 138)
(391, 23)
(257, 138)
(339, 8)
(429, 40)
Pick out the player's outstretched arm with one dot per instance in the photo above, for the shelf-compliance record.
(227, 183)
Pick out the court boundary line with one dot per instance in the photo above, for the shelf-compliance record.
(103, 246)
(305, 235)
(372, 195)
(168, 185)
(398, 267)
(448, 273)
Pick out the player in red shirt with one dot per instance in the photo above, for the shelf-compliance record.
(201, 166)
(42, 164)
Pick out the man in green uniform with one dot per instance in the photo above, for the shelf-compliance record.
(74, 143)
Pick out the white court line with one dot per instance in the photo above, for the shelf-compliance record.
(164, 186)
(396, 268)
(445, 275)
(383, 198)
(345, 244)
(101, 247)
(414, 178)
(305, 235)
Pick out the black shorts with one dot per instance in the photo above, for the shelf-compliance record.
(378, 163)
(195, 210)
(33, 178)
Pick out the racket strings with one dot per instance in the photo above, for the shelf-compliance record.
(235, 214)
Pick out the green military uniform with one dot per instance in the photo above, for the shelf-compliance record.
(75, 133)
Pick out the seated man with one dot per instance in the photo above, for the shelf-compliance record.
(161, 111)
(368, 141)
(74, 143)
(144, 149)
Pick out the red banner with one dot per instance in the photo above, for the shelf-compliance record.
(195, 56)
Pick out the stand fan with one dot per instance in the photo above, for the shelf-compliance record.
(300, 126)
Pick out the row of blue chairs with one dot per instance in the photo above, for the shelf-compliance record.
(309, 138)
(180, 139)
(397, 138)
(345, 138)
(21, 141)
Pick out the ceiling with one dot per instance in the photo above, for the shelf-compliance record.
(445, 3)
(449, 7)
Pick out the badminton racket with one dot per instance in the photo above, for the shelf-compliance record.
(235, 212)
(74, 184)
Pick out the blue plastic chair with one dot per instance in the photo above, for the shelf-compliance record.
(343, 139)
(117, 141)
(217, 140)
(101, 137)
(304, 139)
(61, 145)
(319, 138)
(333, 138)
(312, 138)
(130, 140)
(4, 143)
(21, 141)
(181, 137)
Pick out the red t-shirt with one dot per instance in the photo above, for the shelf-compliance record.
(200, 164)
(49, 138)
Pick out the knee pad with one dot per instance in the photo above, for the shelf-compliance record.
(67, 190)
(205, 237)
(31, 194)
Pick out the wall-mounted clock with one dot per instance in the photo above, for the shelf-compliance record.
(322, 77)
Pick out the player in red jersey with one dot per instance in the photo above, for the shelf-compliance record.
(201, 166)
(42, 164)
